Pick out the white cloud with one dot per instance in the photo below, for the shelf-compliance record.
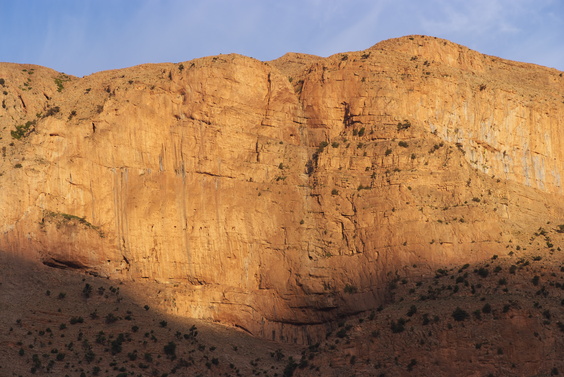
(478, 17)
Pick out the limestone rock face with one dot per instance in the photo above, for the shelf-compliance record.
(272, 195)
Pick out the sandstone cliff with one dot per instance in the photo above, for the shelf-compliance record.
(278, 194)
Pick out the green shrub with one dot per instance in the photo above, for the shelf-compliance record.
(399, 326)
(89, 356)
(412, 310)
(52, 111)
(483, 272)
(60, 80)
(111, 318)
(403, 144)
(341, 333)
(460, 315)
(87, 290)
(115, 346)
(75, 320)
(350, 289)
(322, 146)
(404, 126)
(22, 130)
(170, 349)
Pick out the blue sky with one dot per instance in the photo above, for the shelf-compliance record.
(80, 37)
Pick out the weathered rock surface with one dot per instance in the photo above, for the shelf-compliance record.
(278, 194)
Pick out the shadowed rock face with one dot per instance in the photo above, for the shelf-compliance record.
(281, 194)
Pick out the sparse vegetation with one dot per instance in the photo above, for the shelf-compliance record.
(350, 289)
(460, 315)
(398, 326)
(52, 111)
(68, 218)
(403, 126)
(23, 130)
(322, 146)
(60, 80)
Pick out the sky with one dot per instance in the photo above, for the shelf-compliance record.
(80, 37)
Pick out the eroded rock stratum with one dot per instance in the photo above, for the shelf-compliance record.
(274, 195)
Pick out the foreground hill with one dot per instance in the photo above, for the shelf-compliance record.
(281, 196)
(500, 317)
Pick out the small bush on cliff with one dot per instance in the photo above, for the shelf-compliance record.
(350, 289)
(60, 80)
(322, 146)
(22, 130)
(404, 126)
(52, 111)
